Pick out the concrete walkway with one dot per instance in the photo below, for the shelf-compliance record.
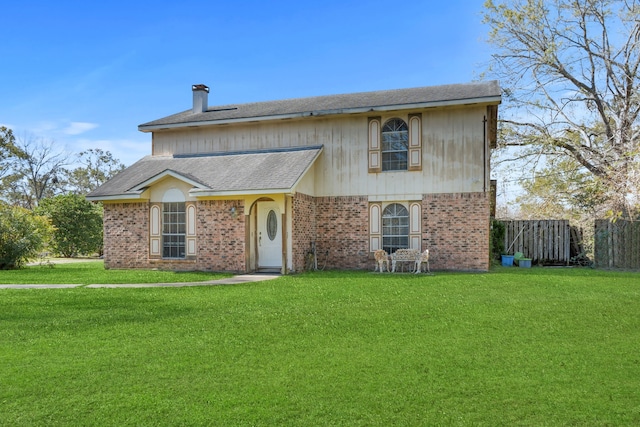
(235, 280)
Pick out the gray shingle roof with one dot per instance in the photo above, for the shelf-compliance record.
(335, 104)
(242, 172)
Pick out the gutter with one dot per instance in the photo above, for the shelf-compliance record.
(194, 193)
(134, 196)
(227, 193)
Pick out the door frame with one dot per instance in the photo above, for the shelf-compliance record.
(253, 262)
(266, 245)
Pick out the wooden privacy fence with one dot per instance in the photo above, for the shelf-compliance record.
(617, 244)
(544, 241)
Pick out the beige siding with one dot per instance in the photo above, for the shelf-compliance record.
(307, 184)
(452, 151)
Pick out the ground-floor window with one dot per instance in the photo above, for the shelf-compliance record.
(174, 227)
(395, 228)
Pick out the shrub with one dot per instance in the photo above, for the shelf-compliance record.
(497, 238)
(77, 222)
(23, 235)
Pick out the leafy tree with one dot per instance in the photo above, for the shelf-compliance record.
(98, 167)
(8, 151)
(77, 222)
(562, 190)
(570, 73)
(23, 235)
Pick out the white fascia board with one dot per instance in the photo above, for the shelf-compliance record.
(435, 104)
(209, 193)
(166, 173)
(134, 196)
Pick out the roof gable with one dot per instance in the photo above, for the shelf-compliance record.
(165, 174)
(249, 172)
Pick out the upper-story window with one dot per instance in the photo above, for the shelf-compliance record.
(395, 145)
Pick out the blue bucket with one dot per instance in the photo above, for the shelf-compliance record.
(525, 263)
(507, 260)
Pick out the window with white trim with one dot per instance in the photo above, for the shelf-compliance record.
(174, 230)
(172, 226)
(395, 145)
(395, 225)
(395, 228)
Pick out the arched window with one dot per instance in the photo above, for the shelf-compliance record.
(174, 224)
(395, 145)
(395, 228)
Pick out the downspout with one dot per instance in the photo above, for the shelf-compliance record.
(484, 152)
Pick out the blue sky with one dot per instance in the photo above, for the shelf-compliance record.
(86, 74)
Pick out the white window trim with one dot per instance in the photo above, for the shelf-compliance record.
(382, 151)
(167, 234)
(414, 152)
(156, 232)
(375, 223)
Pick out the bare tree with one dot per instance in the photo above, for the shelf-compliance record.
(96, 167)
(570, 73)
(35, 172)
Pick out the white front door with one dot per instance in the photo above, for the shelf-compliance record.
(269, 235)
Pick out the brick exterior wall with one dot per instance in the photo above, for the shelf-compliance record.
(126, 235)
(220, 238)
(343, 230)
(304, 227)
(456, 230)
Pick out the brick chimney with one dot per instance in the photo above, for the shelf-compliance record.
(200, 98)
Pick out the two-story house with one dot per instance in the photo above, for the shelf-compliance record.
(245, 187)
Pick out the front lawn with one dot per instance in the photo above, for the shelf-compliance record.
(511, 347)
(90, 272)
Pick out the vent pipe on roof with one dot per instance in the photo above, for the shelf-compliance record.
(200, 98)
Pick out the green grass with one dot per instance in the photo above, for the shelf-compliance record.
(538, 347)
(91, 272)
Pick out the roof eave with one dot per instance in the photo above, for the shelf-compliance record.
(432, 104)
(115, 197)
(198, 193)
